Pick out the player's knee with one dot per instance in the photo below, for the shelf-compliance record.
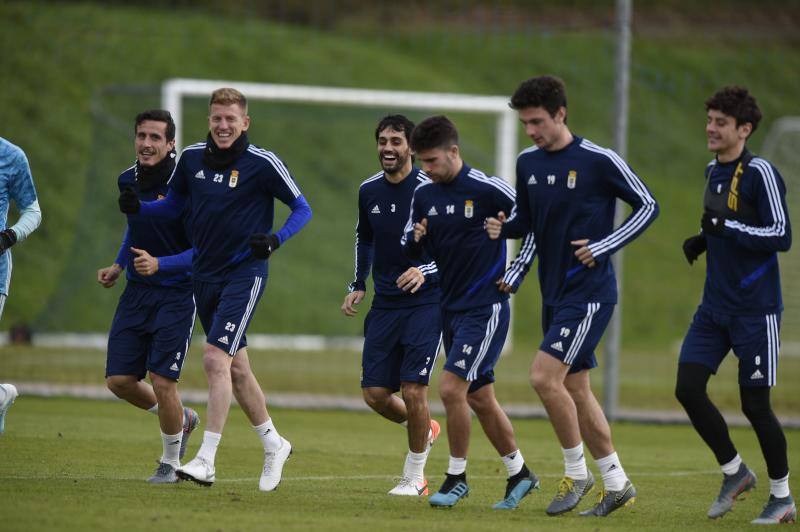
(478, 402)
(756, 404)
(414, 393)
(162, 386)
(376, 398)
(688, 394)
(541, 382)
(215, 365)
(239, 375)
(450, 394)
(119, 384)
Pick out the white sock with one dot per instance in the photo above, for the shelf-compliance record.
(153, 409)
(208, 449)
(415, 465)
(514, 462)
(171, 447)
(732, 467)
(456, 466)
(614, 476)
(270, 438)
(780, 487)
(575, 463)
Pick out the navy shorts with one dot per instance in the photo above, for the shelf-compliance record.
(755, 340)
(226, 309)
(572, 332)
(473, 340)
(400, 345)
(151, 331)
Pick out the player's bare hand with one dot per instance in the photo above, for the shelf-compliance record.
(353, 298)
(144, 263)
(494, 225)
(108, 276)
(411, 280)
(583, 253)
(504, 286)
(420, 229)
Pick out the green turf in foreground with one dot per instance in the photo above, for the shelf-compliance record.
(80, 465)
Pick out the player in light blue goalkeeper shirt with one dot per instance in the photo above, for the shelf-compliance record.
(16, 183)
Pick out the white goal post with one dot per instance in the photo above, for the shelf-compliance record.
(174, 90)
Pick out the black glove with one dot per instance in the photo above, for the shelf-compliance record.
(129, 201)
(262, 245)
(712, 224)
(693, 247)
(7, 239)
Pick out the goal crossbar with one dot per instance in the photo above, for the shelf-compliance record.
(174, 90)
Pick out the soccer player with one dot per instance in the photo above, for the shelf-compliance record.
(403, 328)
(744, 225)
(446, 220)
(153, 323)
(567, 189)
(16, 183)
(231, 186)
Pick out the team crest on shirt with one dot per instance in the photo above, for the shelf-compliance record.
(469, 208)
(572, 177)
(234, 179)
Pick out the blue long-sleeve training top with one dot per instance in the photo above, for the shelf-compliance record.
(383, 209)
(568, 195)
(742, 276)
(228, 206)
(166, 239)
(469, 262)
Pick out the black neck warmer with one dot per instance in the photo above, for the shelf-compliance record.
(149, 177)
(218, 159)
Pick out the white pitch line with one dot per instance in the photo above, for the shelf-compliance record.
(638, 474)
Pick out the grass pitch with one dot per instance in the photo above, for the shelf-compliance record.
(69, 464)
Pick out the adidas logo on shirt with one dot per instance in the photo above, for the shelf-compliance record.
(375, 210)
(557, 346)
(432, 212)
(461, 364)
(223, 340)
(200, 175)
(756, 375)
(174, 367)
(532, 180)
(424, 372)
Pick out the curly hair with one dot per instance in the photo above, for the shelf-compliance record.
(737, 102)
(434, 132)
(543, 91)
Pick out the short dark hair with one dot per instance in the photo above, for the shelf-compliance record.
(543, 91)
(737, 102)
(434, 132)
(159, 115)
(399, 123)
